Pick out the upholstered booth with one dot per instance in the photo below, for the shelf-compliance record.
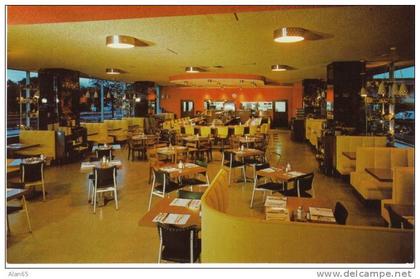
(45, 139)
(402, 189)
(228, 238)
(138, 121)
(349, 144)
(121, 134)
(101, 132)
(313, 130)
(378, 157)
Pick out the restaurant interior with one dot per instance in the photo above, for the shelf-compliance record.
(210, 135)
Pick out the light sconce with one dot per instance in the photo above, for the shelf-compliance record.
(403, 92)
(382, 89)
(44, 100)
(95, 95)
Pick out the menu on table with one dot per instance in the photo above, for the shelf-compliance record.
(171, 218)
(190, 203)
(321, 214)
(295, 173)
(275, 201)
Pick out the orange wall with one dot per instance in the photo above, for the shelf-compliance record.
(293, 94)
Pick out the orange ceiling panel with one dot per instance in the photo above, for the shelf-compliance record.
(56, 14)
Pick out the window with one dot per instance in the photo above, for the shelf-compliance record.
(115, 106)
(398, 74)
(24, 112)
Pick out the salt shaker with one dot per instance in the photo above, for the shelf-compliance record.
(299, 213)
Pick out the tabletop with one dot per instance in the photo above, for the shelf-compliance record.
(171, 150)
(143, 137)
(246, 152)
(20, 146)
(163, 206)
(280, 173)
(87, 167)
(350, 155)
(189, 169)
(114, 129)
(382, 174)
(13, 193)
(113, 146)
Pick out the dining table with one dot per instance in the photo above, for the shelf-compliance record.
(87, 167)
(280, 174)
(15, 147)
(187, 169)
(381, 174)
(164, 206)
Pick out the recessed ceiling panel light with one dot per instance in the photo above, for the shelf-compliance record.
(123, 41)
(192, 70)
(289, 35)
(280, 68)
(114, 71)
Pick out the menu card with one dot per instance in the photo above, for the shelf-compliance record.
(321, 214)
(15, 163)
(295, 173)
(268, 170)
(275, 201)
(177, 219)
(180, 202)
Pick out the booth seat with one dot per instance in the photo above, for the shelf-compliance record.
(45, 139)
(349, 144)
(402, 189)
(139, 121)
(378, 157)
(228, 238)
(101, 129)
(120, 135)
(313, 129)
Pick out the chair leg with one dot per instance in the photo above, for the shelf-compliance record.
(43, 190)
(230, 170)
(116, 198)
(253, 193)
(94, 199)
(27, 213)
(151, 193)
(243, 169)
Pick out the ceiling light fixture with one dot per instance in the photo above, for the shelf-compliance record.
(192, 69)
(123, 41)
(289, 34)
(113, 71)
(279, 68)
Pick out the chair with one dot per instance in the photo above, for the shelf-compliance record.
(205, 131)
(162, 185)
(32, 174)
(105, 181)
(136, 146)
(228, 160)
(189, 130)
(205, 149)
(222, 135)
(396, 221)
(194, 181)
(238, 130)
(340, 213)
(267, 186)
(178, 244)
(192, 149)
(253, 129)
(15, 208)
(301, 187)
(183, 194)
(104, 152)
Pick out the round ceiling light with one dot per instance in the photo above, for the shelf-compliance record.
(278, 68)
(123, 41)
(113, 71)
(192, 69)
(289, 35)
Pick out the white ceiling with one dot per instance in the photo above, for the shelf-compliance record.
(244, 46)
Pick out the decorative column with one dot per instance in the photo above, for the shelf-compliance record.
(59, 97)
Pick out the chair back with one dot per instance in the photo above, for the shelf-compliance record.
(340, 213)
(222, 132)
(305, 182)
(104, 177)
(31, 172)
(253, 130)
(239, 130)
(189, 130)
(161, 177)
(205, 131)
(227, 156)
(184, 194)
(104, 152)
(261, 166)
(176, 240)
